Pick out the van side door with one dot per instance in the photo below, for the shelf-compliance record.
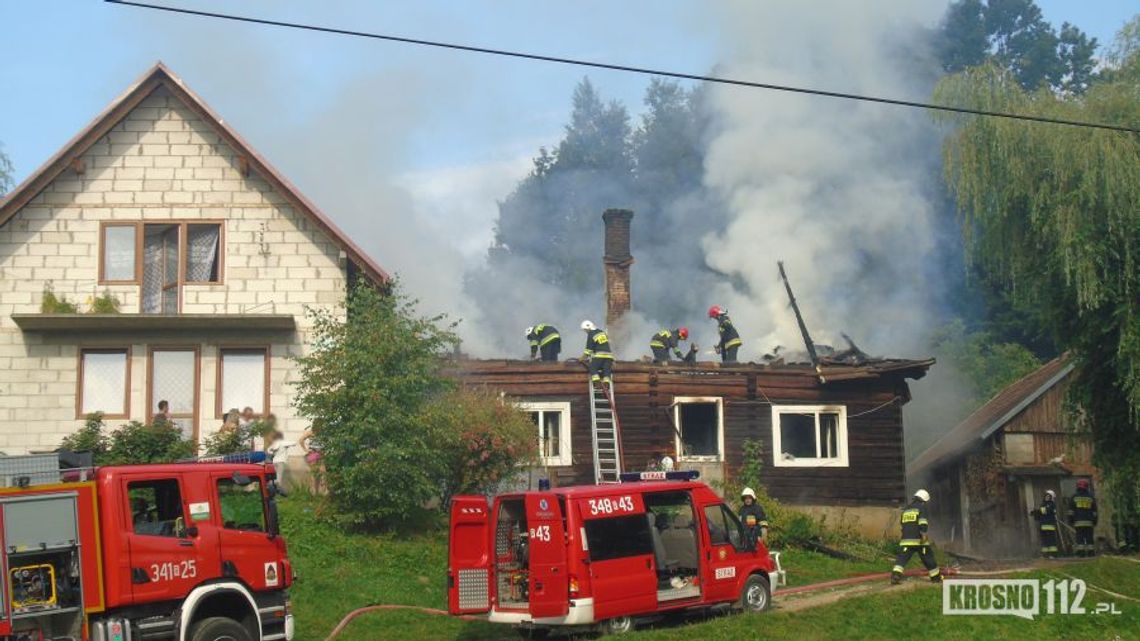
(548, 578)
(623, 573)
(469, 556)
(725, 541)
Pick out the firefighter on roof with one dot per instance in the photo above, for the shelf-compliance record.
(598, 354)
(914, 527)
(1083, 517)
(664, 341)
(752, 513)
(729, 338)
(1046, 516)
(544, 342)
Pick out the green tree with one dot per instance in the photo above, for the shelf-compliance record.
(6, 171)
(374, 367)
(989, 364)
(1052, 213)
(1014, 35)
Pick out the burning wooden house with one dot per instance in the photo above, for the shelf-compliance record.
(830, 433)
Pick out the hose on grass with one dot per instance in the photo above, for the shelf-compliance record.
(382, 607)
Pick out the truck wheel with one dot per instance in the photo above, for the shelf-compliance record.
(219, 629)
(755, 597)
(617, 625)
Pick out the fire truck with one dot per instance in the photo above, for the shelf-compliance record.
(182, 551)
(604, 555)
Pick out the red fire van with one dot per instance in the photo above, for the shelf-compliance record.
(603, 554)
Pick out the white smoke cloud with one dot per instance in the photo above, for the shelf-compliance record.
(834, 188)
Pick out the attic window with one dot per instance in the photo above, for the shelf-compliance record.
(700, 427)
(809, 435)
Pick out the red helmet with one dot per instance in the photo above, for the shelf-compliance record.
(715, 311)
(1082, 484)
(683, 332)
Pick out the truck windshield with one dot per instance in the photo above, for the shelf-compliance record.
(243, 507)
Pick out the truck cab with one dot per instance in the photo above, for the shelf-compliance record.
(603, 554)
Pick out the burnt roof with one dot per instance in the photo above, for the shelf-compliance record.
(988, 418)
(161, 76)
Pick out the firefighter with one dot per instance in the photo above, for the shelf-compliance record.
(914, 526)
(598, 354)
(1083, 517)
(545, 343)
(752, 513)
(1046, 516)
(664, 341)
(729, 338)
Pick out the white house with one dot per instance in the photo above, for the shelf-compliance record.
(211, 254)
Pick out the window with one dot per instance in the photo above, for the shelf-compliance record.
(700, 428)
(118, 261)
(242, 506)
(724, 527)
(618, 537)
(243, 379)
(809, 435)
(104, 382)
(552, 421)
(173, 378)
(156, 508)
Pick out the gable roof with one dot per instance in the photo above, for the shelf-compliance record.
(161, 76)
(989, 418)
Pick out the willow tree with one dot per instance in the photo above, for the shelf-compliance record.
(1051, 215)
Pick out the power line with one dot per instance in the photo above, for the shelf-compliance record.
(628, 68)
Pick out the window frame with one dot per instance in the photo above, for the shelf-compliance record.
(842, 446)
(219, 376)
(261, 500)
(136, 271)
(101, 349)
(128, 486)
(679, 430)
(150, 400)
(565, 456)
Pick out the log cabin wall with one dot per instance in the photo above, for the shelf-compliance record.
(875, 475)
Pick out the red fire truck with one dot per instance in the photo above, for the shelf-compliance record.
(603, 554)
(184, 551)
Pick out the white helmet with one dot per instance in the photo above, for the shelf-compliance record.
(588, 326)
(747, 492)
(529, 330)
(922, 495)
(1050, 494)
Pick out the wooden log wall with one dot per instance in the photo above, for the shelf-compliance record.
(645, 395)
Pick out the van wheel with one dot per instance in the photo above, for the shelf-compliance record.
(617, 625)
(219, 629)
(756, 595)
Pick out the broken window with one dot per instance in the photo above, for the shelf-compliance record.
(552, 421)
(700, 428)
(809, 435)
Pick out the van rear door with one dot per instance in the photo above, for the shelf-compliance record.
(549, 582)
(469, 556)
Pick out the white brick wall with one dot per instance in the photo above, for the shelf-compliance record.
(160, 163)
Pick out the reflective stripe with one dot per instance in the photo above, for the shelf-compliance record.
(657, 344)
(923, 522)
(602, 355)
(935, 572)
(1048, 528)
(898, 569)
(1083, 524)
(736, 342)
(906, 543)
(534, 343)
(1049, 548)
(552, 337)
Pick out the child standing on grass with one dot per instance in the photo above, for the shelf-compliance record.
(277, 448)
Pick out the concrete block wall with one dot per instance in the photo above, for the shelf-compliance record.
(160, 163)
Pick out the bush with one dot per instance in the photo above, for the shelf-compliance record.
(226, 441)
(52, 304)
(479, 441)
(132, 443)
(89, 438)
(364, 387)
(105, 304)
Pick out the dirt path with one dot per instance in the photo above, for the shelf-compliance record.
(807, 600)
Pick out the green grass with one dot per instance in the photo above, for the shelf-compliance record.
(340, 572)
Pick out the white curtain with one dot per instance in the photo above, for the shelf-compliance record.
(104, 382)
(202, 253)
(243, 380)
(152, 273)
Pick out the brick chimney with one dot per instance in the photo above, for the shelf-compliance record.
(616, 261)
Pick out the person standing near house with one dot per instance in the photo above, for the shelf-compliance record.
(915, 524)
(163, 415)
(1046, 516)
(545, 343)
(729, 338)
(752, 513)
(664, 341)
(598, 353)
(313, 456)
(277, 448)
(1083, 517)
(247, 418)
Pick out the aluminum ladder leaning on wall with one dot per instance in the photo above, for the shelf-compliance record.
(605, 433)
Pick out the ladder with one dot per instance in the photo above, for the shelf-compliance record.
(605, 433)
